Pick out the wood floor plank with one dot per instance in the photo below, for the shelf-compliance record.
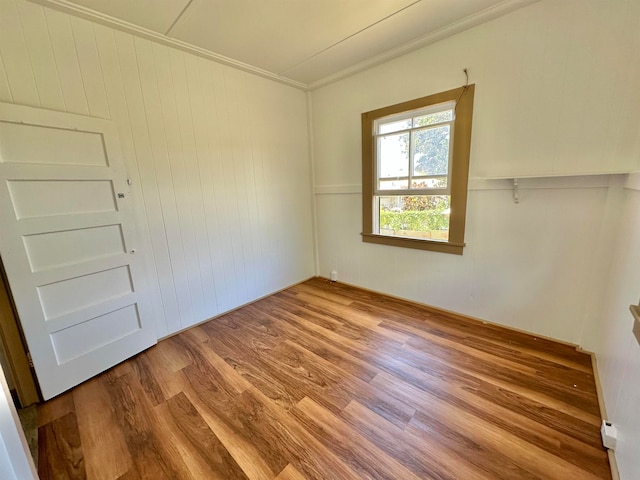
(200, 351)
(372, 301)
(144, 372)
(97, 430)
(153, 458)
(323, 293)
(327, 381)
(243, 450)
(60, 455)
(470, 330)
(198, 444)
(364, 458)
(453, 386)
(55, 408)
(489, 366)
(348, 363)
(512, 358)
(248, 361)
(290, 473)
(414, 455)
(338, 390)
(528, 456)
(535, 433)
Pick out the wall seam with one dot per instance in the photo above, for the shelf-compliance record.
(312, 180)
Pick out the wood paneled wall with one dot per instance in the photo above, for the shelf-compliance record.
(218, 157)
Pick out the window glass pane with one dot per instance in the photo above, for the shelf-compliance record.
(417, 216)
(395, 184)
(431, 151)
(432, 118)
(429, 183)
(393, 152)
(394, 126)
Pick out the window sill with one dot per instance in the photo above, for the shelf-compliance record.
(418, 244)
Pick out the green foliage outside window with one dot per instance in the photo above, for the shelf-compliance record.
(419, 213)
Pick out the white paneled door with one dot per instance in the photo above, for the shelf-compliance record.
(67, 241)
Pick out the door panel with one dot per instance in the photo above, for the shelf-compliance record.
(20, 143)
(67, 240)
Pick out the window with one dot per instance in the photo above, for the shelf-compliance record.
(415, 167)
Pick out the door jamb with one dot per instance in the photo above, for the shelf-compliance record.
(14, 347)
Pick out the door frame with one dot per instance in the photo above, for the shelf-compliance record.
(14, 347)
(15, 458)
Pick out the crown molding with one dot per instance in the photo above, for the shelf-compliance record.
(471, 21)
(109, 21)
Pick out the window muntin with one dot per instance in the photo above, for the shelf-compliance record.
(415, 192)
(414, 152)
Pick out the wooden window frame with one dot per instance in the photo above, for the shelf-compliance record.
(463, 96)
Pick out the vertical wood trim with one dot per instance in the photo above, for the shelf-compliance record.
(161, 168)
(90, 70)
(215, 192)
(114, 87)
(66, 57)
(368, 179)
(15, 55)
(196, 165)
(312, 169)
(177, 149)
(229, 161)
(148, 181)
(15, 350)
(34, 26)
(460, 167)
(5, 89)
(249, 183)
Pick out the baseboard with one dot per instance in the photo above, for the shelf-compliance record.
(615, 474)
(462, 316)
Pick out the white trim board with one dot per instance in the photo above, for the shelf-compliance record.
(633, 181)
(538, 183)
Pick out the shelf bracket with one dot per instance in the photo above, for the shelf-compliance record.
(516, 194)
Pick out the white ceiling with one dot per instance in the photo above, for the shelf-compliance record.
(306, 42)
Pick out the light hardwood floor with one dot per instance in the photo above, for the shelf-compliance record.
(325, 381)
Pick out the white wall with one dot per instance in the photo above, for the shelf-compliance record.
(617, 350)
(555, 94)
(218, 157)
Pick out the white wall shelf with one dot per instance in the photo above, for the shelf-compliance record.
(546, 181)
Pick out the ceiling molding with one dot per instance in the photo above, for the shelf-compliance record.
(485, 15)
(104, 19)
(471, 21)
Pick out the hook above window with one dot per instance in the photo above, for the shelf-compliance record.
(516, 195)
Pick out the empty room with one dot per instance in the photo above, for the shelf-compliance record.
(323, 240)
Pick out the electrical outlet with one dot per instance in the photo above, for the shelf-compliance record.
(609, 435)
(334, 276)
